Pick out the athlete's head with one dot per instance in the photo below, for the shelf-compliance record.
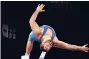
(46, 43)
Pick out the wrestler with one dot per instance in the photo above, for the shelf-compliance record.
(46, 35)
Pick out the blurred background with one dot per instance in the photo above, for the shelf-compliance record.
(70, 19)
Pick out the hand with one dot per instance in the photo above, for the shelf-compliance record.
(84, 48)
(40, 8)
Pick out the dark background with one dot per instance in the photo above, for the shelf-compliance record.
(69, 19)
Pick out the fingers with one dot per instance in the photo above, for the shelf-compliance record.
(85, 45)
(43, 10)
(86, 51)
(41, 5)
(84, 48)
(38, 4)
(87, 48)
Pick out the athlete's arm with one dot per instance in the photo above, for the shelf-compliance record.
(29, 47)
(61, 44)
(34, 26)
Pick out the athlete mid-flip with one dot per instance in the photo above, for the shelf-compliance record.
(46, 36)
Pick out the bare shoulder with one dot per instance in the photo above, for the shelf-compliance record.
(56, 40)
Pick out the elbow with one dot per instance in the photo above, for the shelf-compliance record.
(31, 21)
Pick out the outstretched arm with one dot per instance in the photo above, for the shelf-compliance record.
(61, 44)
(34, 26)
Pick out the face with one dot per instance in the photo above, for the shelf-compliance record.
(47, 45)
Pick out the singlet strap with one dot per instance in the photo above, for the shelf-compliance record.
(53, 32)
(45, 30)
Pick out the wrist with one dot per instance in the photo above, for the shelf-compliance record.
(37, 11)
(75, 47)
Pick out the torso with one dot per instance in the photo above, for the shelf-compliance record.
(48, 32)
